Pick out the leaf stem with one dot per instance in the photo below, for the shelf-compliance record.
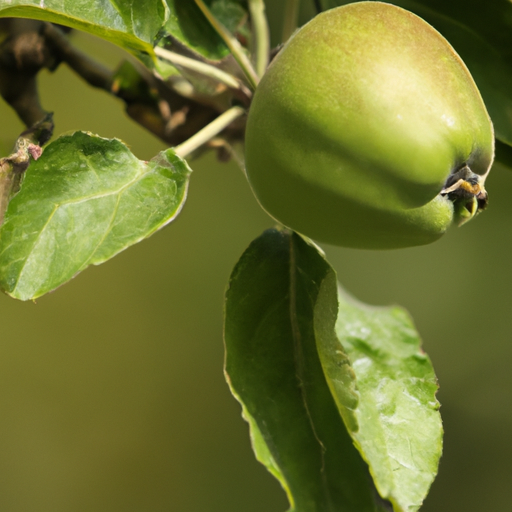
(261, 34)
(234, 46)
(200, 67)
(291, 19)
(209, 131)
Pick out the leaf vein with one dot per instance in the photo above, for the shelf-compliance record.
(81, 200)
(105, 235)
(299, 361)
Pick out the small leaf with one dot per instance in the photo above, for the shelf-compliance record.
(399, 431)
(85, 200)
(272, 326)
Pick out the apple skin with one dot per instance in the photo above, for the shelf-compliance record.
(358, 123)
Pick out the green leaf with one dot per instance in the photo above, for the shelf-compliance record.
(281, 300)
(396, 425)
(82, 202)
(138, 25)
(481, 33)
(131, 24)
(188, 25)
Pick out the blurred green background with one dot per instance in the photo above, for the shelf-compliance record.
(112, 396)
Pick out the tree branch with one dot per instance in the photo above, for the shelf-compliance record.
(91, 71)
(22, 55)
(174, 111)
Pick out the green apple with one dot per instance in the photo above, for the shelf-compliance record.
(367, 130)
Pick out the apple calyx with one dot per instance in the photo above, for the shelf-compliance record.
(467, 192)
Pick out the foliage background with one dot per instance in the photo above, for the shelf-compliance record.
(112, 396)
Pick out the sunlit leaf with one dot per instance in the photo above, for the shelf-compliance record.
(85, 200)
(138, 25)
(396, 425)
(132, 24)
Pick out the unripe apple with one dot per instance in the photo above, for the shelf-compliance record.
(367, 130)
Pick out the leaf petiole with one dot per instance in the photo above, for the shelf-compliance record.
(231, 42)
(198, 66)
(261, 34)
(209, 132)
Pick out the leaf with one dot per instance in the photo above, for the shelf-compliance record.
(138, 25)
(398, 427)
(273, 368)
(131, 24)
(82, 202)
(481, 33)
(188, 25)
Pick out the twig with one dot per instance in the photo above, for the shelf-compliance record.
(261, 34)
(209, 131)
(22, 55)
(318, 6)
(12, 167)
(91, 71)
(151, 102)
(234, 46)
(154, 106)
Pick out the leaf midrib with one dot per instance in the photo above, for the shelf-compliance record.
(299, 363)
(145, 170)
